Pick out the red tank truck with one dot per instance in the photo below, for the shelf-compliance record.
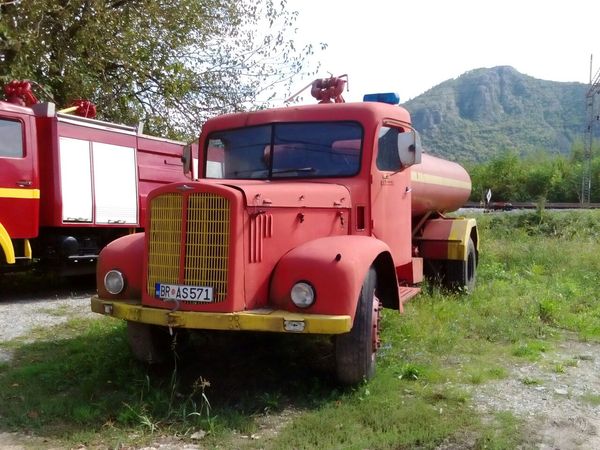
(71, 184)
(306, 220)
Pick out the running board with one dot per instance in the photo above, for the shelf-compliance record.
(406, 293)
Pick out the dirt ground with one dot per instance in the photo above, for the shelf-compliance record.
(558, 396)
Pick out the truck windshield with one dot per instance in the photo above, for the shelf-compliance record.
(287, 150)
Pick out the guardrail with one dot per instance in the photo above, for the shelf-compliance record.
(505, 206)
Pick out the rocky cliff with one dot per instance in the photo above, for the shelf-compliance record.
(487, 111)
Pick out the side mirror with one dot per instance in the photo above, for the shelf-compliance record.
(409, 148)
(186, 159)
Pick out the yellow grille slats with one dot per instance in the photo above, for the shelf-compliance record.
(165, 240)
(207, 244)
(206, 247)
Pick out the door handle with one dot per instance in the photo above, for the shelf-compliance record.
(24, 183)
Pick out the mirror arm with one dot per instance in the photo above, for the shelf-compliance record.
(186, 159)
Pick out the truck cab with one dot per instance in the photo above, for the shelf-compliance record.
(306, 220)
(19, 181)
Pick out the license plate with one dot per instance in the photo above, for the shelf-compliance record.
(183, 292)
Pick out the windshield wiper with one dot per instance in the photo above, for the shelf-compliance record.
(298, 169)
(241, 172)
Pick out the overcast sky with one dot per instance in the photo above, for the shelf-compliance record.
(410, 46)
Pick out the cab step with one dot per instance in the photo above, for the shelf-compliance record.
(406, 293)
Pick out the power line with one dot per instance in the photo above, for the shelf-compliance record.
(586, 179)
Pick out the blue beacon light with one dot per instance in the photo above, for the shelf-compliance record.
(387, 97)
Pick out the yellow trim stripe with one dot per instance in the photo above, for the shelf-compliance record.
(262, 320)
(19, 193)
(427, 178)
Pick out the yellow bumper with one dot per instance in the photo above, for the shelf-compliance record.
(258, 320)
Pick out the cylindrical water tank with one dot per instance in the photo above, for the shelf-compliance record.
(438, 185)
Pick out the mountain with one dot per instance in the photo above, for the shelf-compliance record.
(485, 112)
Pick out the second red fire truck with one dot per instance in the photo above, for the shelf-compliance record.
(70, 184)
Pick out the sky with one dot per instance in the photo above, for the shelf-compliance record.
(408, 47)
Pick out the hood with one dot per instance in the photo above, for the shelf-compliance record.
(294, 194)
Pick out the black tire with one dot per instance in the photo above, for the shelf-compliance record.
(150, 344)
(461, 275)
(355, 351)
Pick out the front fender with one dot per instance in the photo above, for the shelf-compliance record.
(6, 245)
(126, 255)
(335, 266)
(448, 238)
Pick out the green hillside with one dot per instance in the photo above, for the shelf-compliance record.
(485, 112)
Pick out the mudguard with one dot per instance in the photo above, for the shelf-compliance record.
(6, 245)
(335, 266)
(126, 255)
(448, 238)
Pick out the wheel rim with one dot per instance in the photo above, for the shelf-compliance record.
(376, 319)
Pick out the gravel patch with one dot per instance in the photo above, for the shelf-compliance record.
(25, 308)
(560, 409)
(17, 319)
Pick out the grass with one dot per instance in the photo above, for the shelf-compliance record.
(592, 399)
(537, 281)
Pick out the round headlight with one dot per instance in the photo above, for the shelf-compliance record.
(303, 294)
(114, 282)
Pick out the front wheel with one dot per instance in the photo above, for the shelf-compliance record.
(355, 352)
(150, 344)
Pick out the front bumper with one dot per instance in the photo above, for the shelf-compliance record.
(265, 319)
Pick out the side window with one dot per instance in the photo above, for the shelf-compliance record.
(11, 139)
(387, 149)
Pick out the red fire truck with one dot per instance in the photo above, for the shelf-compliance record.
(71, 184)
(306, 219)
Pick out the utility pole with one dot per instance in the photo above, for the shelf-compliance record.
(586, 179)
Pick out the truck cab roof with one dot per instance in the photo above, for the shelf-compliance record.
(11, 107)
(367, 113)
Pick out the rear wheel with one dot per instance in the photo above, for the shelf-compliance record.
(355, 352)
(461, 275)
(150, 344)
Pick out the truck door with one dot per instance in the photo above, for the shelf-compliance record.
(19, 183)
(391, 197)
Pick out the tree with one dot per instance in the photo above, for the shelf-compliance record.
(504, 175)
(172, 63)
(555, 178)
